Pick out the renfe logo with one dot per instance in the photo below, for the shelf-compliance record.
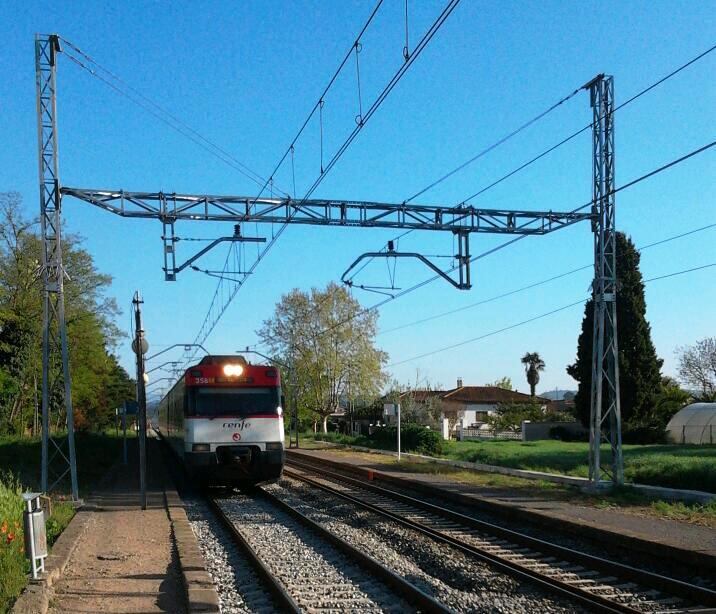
(236, 436)
(236, 425)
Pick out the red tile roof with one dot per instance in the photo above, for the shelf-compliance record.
(489, 395)
(486, 395)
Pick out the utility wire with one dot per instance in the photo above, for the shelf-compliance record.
(588, 126)
(427, 37)
(160, 113)
(534, 285)
(511, 241)
(495, 145)
(559, 144)
(533, 319)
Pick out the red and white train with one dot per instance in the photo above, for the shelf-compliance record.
(224, 419)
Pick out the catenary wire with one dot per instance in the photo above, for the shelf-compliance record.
(443, 314)
(451, 5)
(564, 141)
(374, 107)
(510, 242)
(162, 114)
(533, 319)
(208, 323)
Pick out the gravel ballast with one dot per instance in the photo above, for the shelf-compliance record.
(240, 589)
(316, 574)
(450, 576)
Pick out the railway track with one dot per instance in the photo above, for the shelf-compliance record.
(596, 583)
(305, 567)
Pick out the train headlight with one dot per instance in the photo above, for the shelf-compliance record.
(232, 369)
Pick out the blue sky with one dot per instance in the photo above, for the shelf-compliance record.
(245, 75)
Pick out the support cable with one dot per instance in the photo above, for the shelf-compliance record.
(406, 48)
(359, 117)
(534, 318)
(160, 113)
(501, 246)
(546, 152)
(534, 285)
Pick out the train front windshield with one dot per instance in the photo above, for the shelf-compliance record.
(233, 401)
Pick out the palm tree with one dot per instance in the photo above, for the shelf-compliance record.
(533, 365)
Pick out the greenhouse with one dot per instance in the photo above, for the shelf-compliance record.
(695, 424)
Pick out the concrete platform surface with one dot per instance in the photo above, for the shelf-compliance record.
(689, 543)
(125, 561)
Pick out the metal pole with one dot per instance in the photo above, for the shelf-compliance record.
(124, 431)
(141, 399)
(605, 412)
(398, 406)
(54, 333)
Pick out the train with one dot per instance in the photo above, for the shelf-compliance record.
(224, 420)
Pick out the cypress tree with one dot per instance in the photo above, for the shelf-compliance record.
(639, 366)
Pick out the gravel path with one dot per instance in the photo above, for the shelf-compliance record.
(316, 574)
(451, 577)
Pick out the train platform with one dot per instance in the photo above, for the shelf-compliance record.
(681, 541)
(116, 557)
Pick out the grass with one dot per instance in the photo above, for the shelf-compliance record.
(20, 460)
(625, 499)
(691, 467)
(675, 466)
(14, 567)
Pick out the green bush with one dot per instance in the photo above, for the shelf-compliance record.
(564, 434)
(643, 435)
(413, 438)
(13, 566)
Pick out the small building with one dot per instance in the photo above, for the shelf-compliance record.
(467, 406)
(471, 406)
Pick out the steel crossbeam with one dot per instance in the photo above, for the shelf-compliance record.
(327, 212)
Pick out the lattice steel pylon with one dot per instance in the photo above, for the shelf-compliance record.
(605, 413)
(58, 452)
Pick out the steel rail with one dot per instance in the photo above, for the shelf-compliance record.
(659, 582)
(276, 588)
(408, 591)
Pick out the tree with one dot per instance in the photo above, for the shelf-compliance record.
(533, 365)
(509, 416)
(420, 403)
(327, 339)
(667, 402)
(639, 366)
(90, 328)
(697, 366)
(504, 382)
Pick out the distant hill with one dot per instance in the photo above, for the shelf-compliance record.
(556, 395)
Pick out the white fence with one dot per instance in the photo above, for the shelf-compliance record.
(466, 434)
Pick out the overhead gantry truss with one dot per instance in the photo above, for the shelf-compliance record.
(605, 420)
(170, 208)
